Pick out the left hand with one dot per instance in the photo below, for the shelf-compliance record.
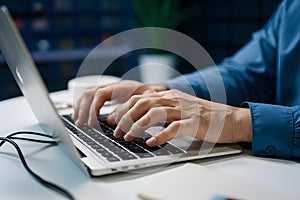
(185, 115)
(88, 106)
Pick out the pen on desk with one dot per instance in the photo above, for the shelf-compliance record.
(221, 197)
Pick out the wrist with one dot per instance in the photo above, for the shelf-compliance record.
(243, 132)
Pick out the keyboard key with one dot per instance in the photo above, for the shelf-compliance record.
(172, 149)
(144, 155)
(112, 159)
(103, 118)
(117, 150)
(101, 150)
(126, 156)
(158, 151)
(106, 154)
(96, 146)
(140, 152)
(101, 139)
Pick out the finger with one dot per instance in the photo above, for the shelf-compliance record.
(128, 116)
(115, 117)
(134, 109)
(150, 91)
(82, 107)
(169, 133)
(121, 117)
(101, 95)
(117, 114)
(138, 106)
(76, 109)
(135, 98)
(152, 117)
(134, 112)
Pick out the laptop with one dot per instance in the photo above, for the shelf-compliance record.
(94, 149)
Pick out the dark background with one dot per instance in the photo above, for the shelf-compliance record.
(59, 33)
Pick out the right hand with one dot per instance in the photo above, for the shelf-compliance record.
(88, 106)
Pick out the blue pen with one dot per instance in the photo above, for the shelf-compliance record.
(220, 197)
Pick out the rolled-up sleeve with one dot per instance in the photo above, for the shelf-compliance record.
(275, 129)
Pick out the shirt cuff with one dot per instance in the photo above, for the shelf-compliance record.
(272, 130)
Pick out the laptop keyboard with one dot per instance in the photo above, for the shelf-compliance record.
(100, 138)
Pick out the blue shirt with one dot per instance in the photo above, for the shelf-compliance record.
(266, 74)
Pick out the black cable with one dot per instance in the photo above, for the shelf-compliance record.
(22, 158)
(33, 140)
(12, 136)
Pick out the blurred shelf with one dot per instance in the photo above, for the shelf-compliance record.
(61, 33)
(75, 54)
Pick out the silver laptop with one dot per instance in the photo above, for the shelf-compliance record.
(94, 150)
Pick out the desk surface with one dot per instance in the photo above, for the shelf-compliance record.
(52, 164)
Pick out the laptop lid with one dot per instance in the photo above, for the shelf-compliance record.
(31, 84)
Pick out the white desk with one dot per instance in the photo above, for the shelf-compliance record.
(52, 164)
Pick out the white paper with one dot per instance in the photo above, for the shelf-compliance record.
(193, 181)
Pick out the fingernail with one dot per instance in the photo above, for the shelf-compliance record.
(117, 133)
(90, 122)
(111, 119)
(78, 122)
(151, 141)
(128, 136)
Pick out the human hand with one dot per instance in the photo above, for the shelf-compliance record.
(89, 104)
(184, 114)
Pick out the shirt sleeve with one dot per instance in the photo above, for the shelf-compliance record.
(276, 130)
(249, 75)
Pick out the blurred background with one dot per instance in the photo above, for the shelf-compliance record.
(60, 33)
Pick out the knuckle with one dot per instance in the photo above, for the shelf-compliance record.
(164, 136)
(144, 122)
(99, 93)
(156, 111)
(136, 128)
(142, 102)
(159, 114)
(88, 93)
(176, 125)
(121, 111)
(126, 119)
(172, 114)
(174, 91)
(123, 125)
(133, 99)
